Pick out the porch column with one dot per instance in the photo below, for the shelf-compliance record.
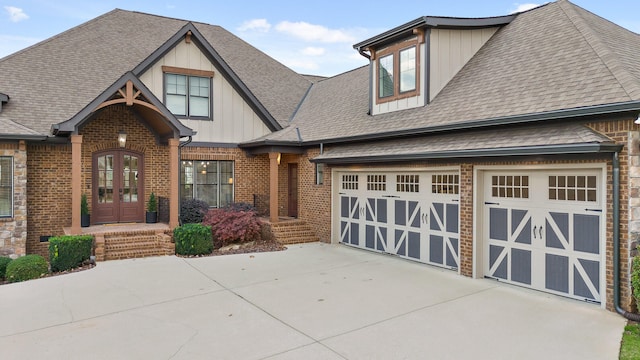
(273, 186)
(174, 183)
(76, 183)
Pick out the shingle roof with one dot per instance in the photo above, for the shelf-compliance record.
(558, 56)
(53, 80)
(520, 140)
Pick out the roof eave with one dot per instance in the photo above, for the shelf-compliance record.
(435, 22)
(584, 148)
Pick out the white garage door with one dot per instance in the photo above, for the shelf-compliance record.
(543, 230)
(410, 214)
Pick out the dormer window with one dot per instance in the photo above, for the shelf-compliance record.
(187, 93)
(398, 71)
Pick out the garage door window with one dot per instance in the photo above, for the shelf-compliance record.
(377, 182)
(510, 186)
(408, 183)
(573, 188)
(349, 182)
(445, 184)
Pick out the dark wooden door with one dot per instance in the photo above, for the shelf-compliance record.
(293, 190)
(117, 187)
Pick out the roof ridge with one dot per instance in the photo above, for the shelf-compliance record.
(600, 47)
(54, 37)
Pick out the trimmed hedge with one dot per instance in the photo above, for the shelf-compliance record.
(4, 261)
(193, 239)
(26, 268)
(69, 251)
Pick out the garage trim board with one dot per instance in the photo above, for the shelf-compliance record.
(410, 213)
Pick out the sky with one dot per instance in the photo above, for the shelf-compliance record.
(311, 37)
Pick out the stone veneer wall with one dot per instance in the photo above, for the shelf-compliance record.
(13, 231)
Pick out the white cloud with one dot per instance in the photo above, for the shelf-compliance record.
(261, 25)
(310, 32)
(523, 7)
(314, 51)
(16, 14)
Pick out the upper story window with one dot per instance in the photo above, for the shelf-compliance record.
(188, 92)
(398, 71)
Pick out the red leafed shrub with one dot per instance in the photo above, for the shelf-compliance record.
(232, 226)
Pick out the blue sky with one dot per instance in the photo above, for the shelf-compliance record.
(310, 37)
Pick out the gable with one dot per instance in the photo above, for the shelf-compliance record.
(233, 119)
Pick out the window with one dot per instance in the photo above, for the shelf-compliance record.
(398, 74)
(377, 182)
(188, 92)
(408, 183)
(510, 186)
(573, 188)
(349, 182)
(6, 186)
(319, 174)
(208, 180)
(445, 184)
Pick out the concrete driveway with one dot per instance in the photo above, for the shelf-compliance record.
(313, 301)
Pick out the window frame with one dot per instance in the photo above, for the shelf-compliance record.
(188, 74)
(10, 187)
(395, 50)
(220, 181)
(320, 173)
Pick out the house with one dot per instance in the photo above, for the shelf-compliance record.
(503, 147)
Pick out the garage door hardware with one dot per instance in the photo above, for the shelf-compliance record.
(596, 210)
(491, 203)
(534, 231)
(391, 196)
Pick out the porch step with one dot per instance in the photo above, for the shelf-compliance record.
(133, 244)
(293, 232)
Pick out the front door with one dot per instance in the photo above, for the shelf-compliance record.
(117, 187)
(293, 190)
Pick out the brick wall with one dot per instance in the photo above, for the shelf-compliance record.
(48, 193)
(13, 230)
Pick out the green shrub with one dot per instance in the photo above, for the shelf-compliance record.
(193, 239)
(26, 268)
(635, 278)
(4, 261)
(69, 251)
(193, 211)
(84, 205)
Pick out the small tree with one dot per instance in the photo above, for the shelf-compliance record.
(152, 204)
(84, 205)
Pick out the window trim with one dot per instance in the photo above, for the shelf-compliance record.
(12, 189)
(319, 174)
(395, 50)
(188, 73)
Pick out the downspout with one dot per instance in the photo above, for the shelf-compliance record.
(180, 146)
(616, 241)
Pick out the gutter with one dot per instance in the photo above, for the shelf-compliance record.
(616, 241)
(457, 154)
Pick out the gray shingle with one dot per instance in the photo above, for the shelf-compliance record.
(544, 60)
(53, 80)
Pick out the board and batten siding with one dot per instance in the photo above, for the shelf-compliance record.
(450, 51)
(233, 119)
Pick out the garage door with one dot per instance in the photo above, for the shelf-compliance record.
(410, 214)
(543, 230)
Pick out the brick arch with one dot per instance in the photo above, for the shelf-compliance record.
(108, 145)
